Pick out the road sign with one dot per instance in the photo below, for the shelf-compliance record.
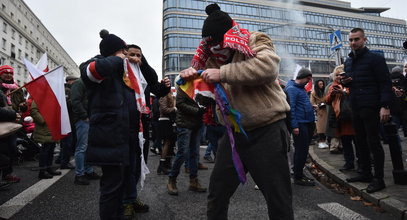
(335, 40)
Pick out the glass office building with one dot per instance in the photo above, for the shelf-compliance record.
(300, 30)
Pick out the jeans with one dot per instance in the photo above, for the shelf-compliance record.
(188, 145)
(46, 155)
(264, 156)
(213, 134)
(366, 122)
(82, 129)
(301, 145)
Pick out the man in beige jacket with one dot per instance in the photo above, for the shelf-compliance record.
(247, 66)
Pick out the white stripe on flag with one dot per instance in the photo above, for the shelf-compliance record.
(56, 82)
(91, 77)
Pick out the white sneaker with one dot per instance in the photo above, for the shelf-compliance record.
(322, 145)
(256, 187)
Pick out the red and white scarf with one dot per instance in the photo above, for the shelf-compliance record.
(236, 39)
(133, 78)
(9, 88)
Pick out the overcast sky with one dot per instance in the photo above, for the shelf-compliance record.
(76, 23)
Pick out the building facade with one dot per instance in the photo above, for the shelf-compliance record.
(22, 35)
(300, 31)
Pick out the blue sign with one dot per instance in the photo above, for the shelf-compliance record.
(335, 40)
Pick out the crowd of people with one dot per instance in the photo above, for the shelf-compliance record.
(118, 99)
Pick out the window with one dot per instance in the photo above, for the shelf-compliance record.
(3, 7)
(4, 42)
(13, 33)
(13, 48)
(26, 44)
(4, 27)
(20, 39)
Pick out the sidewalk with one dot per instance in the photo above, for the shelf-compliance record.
(392, 199)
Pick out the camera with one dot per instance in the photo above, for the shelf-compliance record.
(322, 105)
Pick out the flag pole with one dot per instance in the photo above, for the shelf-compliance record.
(19, 88)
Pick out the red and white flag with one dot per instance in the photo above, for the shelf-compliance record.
(48, 92)
(42, 66)
(310, 84)
(43, 63)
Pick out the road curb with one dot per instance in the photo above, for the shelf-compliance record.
(383, 200)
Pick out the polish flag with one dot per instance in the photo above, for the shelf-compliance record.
(43, 63)
(48, 92)
(309, 85)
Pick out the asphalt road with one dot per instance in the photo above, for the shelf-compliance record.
(64, 200)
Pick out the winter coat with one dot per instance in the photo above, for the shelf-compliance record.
(331, 122)
(167, 106)
(6, 113)
(113, 114)
(79, 101)
(321, 112)
(252, 83)
(371, 84)
(189, 115)
(301, 108)
(16, 98)
(41, 134)
(344, 127)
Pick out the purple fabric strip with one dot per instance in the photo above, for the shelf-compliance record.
(235, 156)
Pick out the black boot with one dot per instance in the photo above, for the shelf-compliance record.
(375, 185)
(162, 170)
(53, 172)
(44, 175)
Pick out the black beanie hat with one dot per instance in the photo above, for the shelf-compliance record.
(110, 43)
(217, 23)
(303, 73)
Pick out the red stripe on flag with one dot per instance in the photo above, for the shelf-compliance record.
(92, 69)
(47, 104)
(132, 78)
(308, 87)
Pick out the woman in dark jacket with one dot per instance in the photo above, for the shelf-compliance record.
(166, 131)
(43, 136)
(8, 148)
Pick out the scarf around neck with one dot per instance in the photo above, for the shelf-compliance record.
(236, 39)
(7, 89)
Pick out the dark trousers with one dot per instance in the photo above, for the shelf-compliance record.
(348, 149)
(46, 155)
(366, 122)
(66, 149)
(301, 145)
(116, 183)
(112, 186)
(146, 136)
(264, 155)
(8, 149)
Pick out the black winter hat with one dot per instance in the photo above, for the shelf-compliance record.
(110, 43)
(303, 73)
(217, 23)
(397, 72)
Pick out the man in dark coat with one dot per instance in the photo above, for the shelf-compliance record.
(114, 121)
(368, 79)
